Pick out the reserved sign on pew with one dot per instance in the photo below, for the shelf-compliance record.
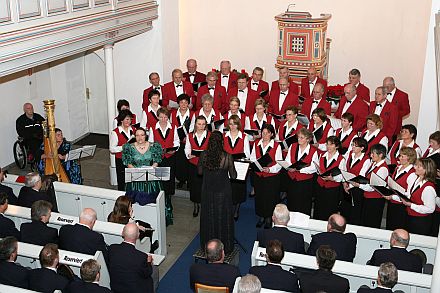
(64, 219)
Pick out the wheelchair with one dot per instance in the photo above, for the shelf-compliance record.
(22, 155)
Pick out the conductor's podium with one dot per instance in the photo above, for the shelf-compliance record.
(356, 274)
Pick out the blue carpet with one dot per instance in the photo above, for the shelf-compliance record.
(177, 278)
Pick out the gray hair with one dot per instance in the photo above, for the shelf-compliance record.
(400, 240)
(207, 97)
(281, 214)
(215, 253)
(387, 275)
(383, 90)
(88, 215)
(40, 208)
(249, 284)
(31, 179)
(8, 246)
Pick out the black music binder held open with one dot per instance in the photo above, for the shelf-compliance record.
(261, 163)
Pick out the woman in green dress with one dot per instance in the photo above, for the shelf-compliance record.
(139, 154)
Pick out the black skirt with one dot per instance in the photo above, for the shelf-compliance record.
(396, 216)
(435, 223)
(182, 165)
(267, 194)
(299, 196)
(351, 206)
(195, 184)
(169, 186)
(238, 191)
(120, 174)
(372, 212)
(420, 225)
(326, 202)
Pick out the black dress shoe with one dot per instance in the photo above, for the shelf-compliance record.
(196, 211)
(260, 223)
(154, 246)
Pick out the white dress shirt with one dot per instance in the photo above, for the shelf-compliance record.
(278, 155)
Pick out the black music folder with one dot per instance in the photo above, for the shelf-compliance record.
(238, 156)
(252, 131)
(285, 144)
(196, 153)
(278, 117)
(171, 149)
(261, 163)
(198, 85)
(264, 93)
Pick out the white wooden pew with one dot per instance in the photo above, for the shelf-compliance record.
(111, 231)
(356, 274)
(368, 239)
(72, 199)
(11, 289)
(28, 257)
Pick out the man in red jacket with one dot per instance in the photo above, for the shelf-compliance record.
(175, 88)
(355, 105)
(284, 73)
(387, 112)
(309, 82)
(216, 91)
(226, 78)
(258, 84)
(318, 101)
(400, 99)
(155, 84)
(354, 78)
(246, 95)
(192, 75)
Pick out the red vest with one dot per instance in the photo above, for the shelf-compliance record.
(324, 133)
(242, 119)
(402, 180)
(282, 130)
(357, 167)
(166, 141)
(215, 117)
(374, 140)
(195, 146)
(322, 169)
(175, 120)
(151, 119)
(394, 149)
(374, 194)
(238, 148)
(416, 197)
(255, 125)
(122, 139)
(346, 141)
(294, 149)
(259, 154)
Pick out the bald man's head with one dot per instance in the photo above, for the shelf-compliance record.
(336, 223)
(88, 217)
(399, 237)
(130, 233)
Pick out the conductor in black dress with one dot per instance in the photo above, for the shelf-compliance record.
(216, 214)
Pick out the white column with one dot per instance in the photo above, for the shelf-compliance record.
(435, 283)
(111, 103)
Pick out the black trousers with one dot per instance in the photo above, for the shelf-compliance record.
(351, 206)
(120, 174)
(299, 196)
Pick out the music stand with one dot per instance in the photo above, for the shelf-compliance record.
(82, 152)
(147, 174)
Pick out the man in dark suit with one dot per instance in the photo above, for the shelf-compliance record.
(386, 279)
(397, 254)
(343, 243)
(37, 232)
(192, 75)
(354, 78)
(399, 99)
(317, 101)
(226, 77)
(175, 88)
(292, 241)
(11, 273)
(218, 92)
(81, 237)
(283, 72)
(12, 199)
(90, 274)
(7, 226)
(215, 272)
(257, 83)
(355, 105)
(246, 95)
(387, 111)
(155, 85)
(249, 284)
(130, 269)
(30, 193)
(309, 82)
(46, 279)
(323, 279)
(272, 276)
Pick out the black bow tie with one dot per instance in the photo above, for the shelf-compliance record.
(282, 93)
(311, 82)
(157, 88)
(389, 94)
(177, 85)
(255, 83)
(379, 105)
(315, 102)
(192, 74)
(211, 88)
(241, 91)
(349, 101)
(225, 76)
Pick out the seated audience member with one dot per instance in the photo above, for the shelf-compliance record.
(344, 244)
(323, 280)
(7, 226)
(11, 273)
(37, 232)
(123, 214)
(215, 272)
(400, 99)
(81, 238)
(308, 84)
(30, 193)
(292, 241)
(397, 253)
(46, 279)
(249, 284)
(387, 277)
(90, 274)
(272, 275)
(12, 199)
(130, 269)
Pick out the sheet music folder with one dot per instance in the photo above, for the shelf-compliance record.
(350, 177)
(242, 170)
(285, 144)
(388, 189)
(262, 162)
(295, 166)
(147, 174)
(332, 172)
(83, 152)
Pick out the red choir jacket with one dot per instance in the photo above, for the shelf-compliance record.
(169, 92)
(305, 88)
(220, 97)
(363, 92)
(274, 101)
(374, 194)
(402, 180)
(195, 146)
(389, 117)
(294, 150)
(199, 77)
(358, 108)
(232, 82)
(357, 166)
(283, 127)
(238, 148)
(374, 140)
(259, 154)
(145, 101)
(416, 197)
(307, 107)
(166, 141)
(262, 86)
(292, 86)
(346, 141)
(249, 108)
(401, 101)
